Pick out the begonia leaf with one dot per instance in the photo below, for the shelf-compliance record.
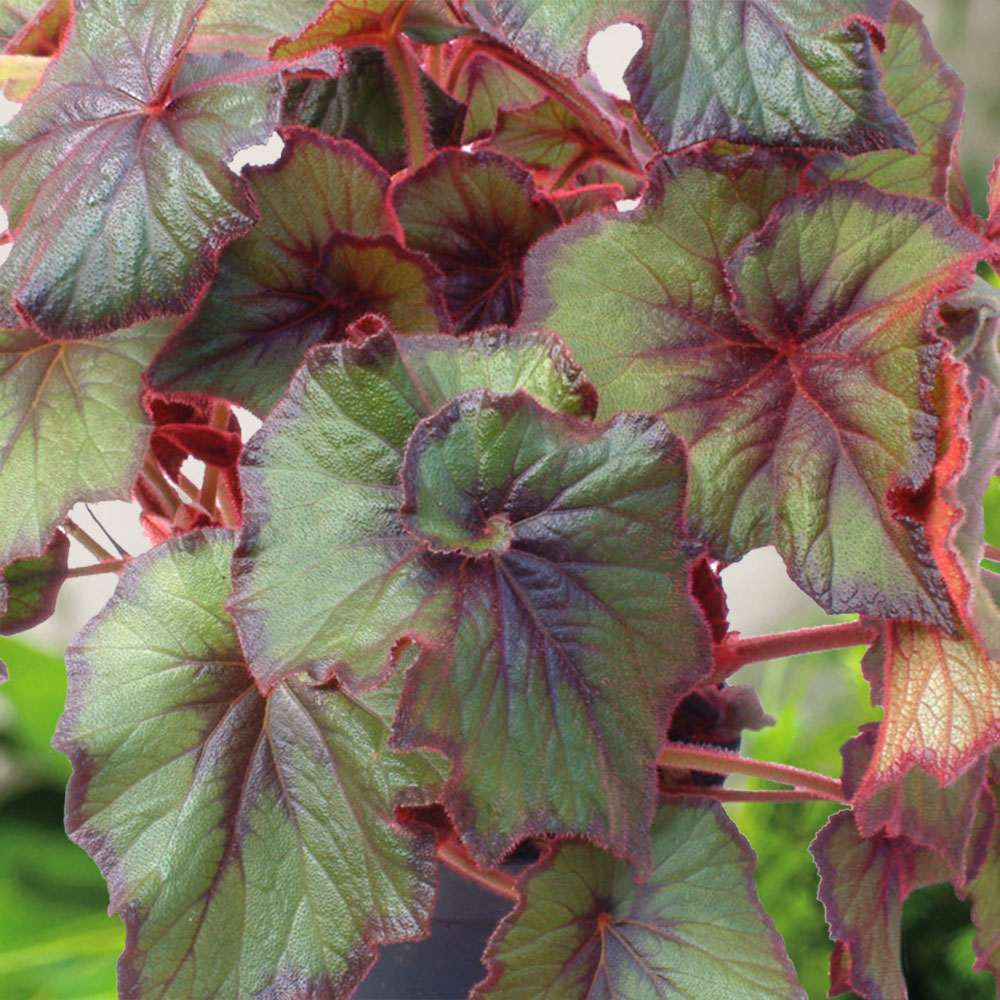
(14, 15)
(984, 891)
(557, 594)
(30, 586)
(863, 884)
(928, 95)
(587, 928)
(993, 202)
(249, 847)
(362, 104)
(548, 137)
(320, 258)
(593, 198)
(351, 23)
(914, 805)
(133, 148)
(766, 72)
(72, 424)
(475, 215)
(251, 26)
(805, 399)
(486, 86)
(942, 704)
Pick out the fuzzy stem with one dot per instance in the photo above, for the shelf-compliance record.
(734, 652)
(411, 101)
(457, 858)
(227, 512)
(749, 794)
(160, 483)
(991, 552)
(111, 566)
(219, 421)
(91, 544)
(727, 762)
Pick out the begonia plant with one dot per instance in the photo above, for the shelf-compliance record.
(459, 596)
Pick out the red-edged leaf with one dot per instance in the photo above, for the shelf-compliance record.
(541, 669)
(863, 883)
(928, 95)
(766, 72)
(475, 215)
(942, 704)
(805, 398)
(487, 86)
(30, 586)
(586, 927)
(320, 258)
(130, 139)
(39, 32)
(362, 104)
(984, 892)
(72, 427)
(551, 140)
(352, 23)
(592, 198)
(250, 846)
(195, 415)
(251, 26)
(993, 202)
(915, 805)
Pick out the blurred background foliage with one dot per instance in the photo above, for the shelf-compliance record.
(57, 942)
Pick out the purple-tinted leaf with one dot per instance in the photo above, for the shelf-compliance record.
(362, 104)
(320, 258)
(527, 552)
(487, 86)
(249, 846)
(984, 892)
(863, 883)
(805, 400)
(928, 95)
(30, 586)
(766, 72)
(914, 805)
(475, 215)
(587, 928)
(130, 139)
(72, 425)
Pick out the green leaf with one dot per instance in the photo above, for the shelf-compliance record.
(586, 927)
(984, 891)
(73, 427)
(251, 26)
(335, 444)
(30, 586)
(561, 605)
(250, 847)
(556, 552)
(320, 258)
(765, 72)
(130, 139)
(475, 215)
(14, 15)
(362, 104)
(486, 86)
(863, 883)
(803, 393)
(928, 95)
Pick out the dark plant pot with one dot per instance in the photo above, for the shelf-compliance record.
(445, 965)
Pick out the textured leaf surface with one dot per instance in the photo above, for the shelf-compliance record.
(550, 138)
(914, 805)
(769, 72)
(14, 15)
(863, 883)
(247, 846)
(942, 704)
(475, 215)
(568, 563)
(72, 426)
(486, 86)
(30, 586)
(310, 267)
(132, 147)
(250, 26)
(928, 95)
(984, 892)
(362, 104)
(804, 399)
(586, 927)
